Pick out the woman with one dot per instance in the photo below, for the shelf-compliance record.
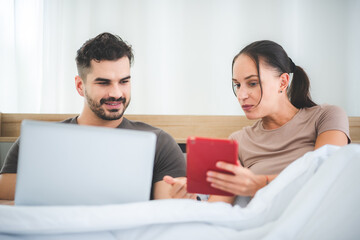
(290, 124)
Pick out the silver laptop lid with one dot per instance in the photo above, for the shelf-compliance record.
(68, 164)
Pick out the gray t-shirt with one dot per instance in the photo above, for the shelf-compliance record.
(270, 151)
(169, 159)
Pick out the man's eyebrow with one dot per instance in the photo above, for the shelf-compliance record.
(125, 78)
(102, 80)
(99, 79)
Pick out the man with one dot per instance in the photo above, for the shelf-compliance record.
(104, 81)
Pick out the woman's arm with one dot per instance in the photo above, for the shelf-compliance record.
(216, 198)
(333, 137)
(246, 183)
(243, 182)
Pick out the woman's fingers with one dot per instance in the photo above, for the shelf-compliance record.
(225, 187)
(229, 167)
(221, 176)
(240, 182)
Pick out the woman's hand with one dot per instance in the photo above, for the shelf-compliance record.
(178, 187)
(243, 182)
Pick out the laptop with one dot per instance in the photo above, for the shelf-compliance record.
(70, 164)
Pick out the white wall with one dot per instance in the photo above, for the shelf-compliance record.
(183, 50)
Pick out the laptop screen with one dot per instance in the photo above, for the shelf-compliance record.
(68, 164)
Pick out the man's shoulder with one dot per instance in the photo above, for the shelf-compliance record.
(72, 120)
(163, 138)
(141, 126)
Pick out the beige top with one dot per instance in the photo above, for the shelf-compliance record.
(270, 151)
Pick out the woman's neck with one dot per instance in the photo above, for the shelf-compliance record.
(281, 117)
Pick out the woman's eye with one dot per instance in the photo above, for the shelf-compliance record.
(237, 85)
(253, 84)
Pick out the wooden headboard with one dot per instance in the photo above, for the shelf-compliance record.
(179, 126)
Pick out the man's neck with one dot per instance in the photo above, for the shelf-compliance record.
(93, 120)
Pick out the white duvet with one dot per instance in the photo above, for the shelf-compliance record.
(316, 197)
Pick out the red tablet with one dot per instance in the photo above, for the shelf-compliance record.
(202, 156)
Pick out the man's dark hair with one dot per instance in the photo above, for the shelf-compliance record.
(104, 46)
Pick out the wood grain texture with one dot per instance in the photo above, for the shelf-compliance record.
(178, 126)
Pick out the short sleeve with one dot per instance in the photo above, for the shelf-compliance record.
(333, 118)
(11, 160)
(169, 159)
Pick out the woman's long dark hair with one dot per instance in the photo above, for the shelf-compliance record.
(275, 56)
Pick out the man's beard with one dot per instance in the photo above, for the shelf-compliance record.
(114, 114)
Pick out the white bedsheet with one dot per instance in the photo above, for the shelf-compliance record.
(316, 197)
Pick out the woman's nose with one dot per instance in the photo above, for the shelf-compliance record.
(242, 93)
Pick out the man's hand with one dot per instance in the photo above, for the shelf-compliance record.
(179, 187)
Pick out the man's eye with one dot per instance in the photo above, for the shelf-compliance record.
(103, 83)
(124, 81)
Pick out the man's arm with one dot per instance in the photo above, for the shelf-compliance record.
(7, 187)
(161, 190)
(8, 174)
(169, 160)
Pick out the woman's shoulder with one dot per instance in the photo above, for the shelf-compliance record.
(329, 117)
(245, 130)
(332, 108)
(324, 110)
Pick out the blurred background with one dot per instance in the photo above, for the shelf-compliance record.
(183, 50)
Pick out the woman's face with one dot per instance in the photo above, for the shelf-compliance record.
(248, 91)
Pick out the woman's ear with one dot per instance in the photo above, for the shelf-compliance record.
(284, 82)
(79, 84)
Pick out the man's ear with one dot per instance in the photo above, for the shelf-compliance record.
(284, 82)
(79, 84)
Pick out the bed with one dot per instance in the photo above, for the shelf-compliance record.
(316, 197)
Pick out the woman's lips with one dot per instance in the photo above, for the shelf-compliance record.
(246, 107)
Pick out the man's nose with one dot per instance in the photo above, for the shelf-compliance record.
(115, 91)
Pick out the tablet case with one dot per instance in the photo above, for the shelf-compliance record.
(202, 155)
